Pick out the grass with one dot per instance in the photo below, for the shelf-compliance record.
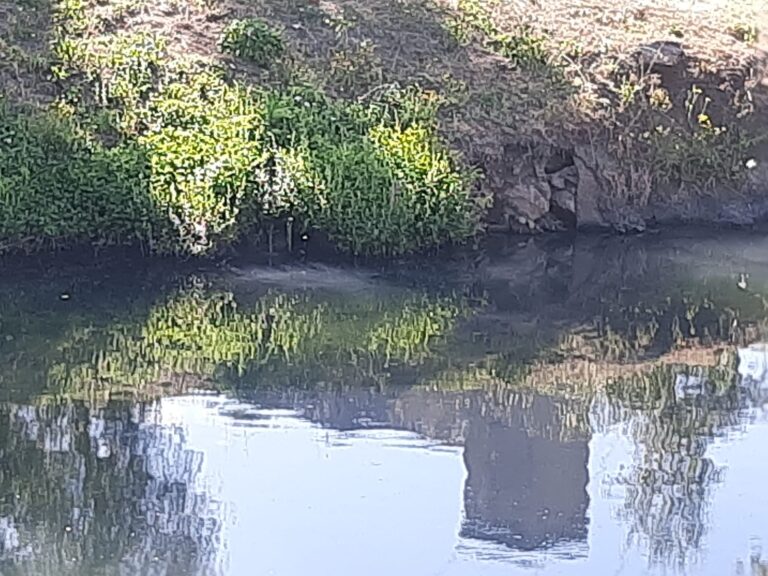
(253, 40)
(522, 46)
(57, 185)
(372, 175)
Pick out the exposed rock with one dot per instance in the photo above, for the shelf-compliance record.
(528, 199)
(551, 223)
(602, 199)
(564, 199)
(628, 222)
(558, 159)
(565, 178)
(588, 193)
(660, 54)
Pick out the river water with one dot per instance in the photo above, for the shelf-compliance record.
(589, 407)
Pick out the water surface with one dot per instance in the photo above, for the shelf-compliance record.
(589, 407)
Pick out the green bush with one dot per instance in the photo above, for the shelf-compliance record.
(374, 177)
(178, 187)
(58, 185)
(253, 40)
(196, 162)
(211, 159)
(203, 141)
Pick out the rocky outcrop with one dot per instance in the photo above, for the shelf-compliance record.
(528, 200)
(587, 188)
(533, 190)
(663, 53)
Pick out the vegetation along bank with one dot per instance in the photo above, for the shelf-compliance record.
(391, 126)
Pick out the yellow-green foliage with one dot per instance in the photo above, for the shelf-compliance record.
(59, 185)
(204, 141)
(696, 151)
(373, 176)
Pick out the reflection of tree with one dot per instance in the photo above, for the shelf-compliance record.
(108, 492)
(668, 489)
(526, 474)
(758, 566)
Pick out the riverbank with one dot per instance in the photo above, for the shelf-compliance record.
(385, 127)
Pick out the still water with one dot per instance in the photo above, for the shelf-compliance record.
(596, 407)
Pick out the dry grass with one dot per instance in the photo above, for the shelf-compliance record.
(707, 28)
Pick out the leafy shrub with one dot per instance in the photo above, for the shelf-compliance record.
(58, 185)
(155, 150)
(203, 141)
(374, 177)
(179, 186)
(211, 159)
(253, 40)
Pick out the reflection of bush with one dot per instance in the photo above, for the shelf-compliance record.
(193, 333)
(667, 492)
(199, 335)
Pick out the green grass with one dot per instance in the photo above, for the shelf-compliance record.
(373, 176)
(253, 40)
(58, 186)
(347, 159)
